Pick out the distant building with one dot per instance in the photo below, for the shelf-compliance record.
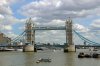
(4, 39)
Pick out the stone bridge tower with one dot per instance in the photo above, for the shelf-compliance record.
(30, 36)
(30, 33)
(69, 36)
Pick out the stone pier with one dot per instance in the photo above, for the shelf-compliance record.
(28, 48)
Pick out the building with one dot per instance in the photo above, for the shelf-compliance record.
(4, 39)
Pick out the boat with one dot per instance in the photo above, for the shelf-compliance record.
(96, 55)
(81, 55)
(37, 61)
(6, 49)
(43, 60)
(18, 49)
(87, 56)
(95, 49)
(91, 55)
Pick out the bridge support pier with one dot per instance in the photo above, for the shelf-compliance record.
(70, 48)
(28, 48)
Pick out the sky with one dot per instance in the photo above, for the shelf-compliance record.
(85, 15)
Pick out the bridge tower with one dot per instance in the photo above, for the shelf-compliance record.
(30, 36)
(69, 37)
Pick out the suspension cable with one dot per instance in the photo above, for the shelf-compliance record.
(85, 39)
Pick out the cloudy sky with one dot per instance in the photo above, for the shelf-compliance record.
(84, 13)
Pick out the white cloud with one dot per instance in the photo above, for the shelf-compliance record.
(5, 7)
(7, 27)
(60, 8)
(1, 16)
(11, 20)
(95, 28)
(80, 28)
(8, 2)
(5, 10)
(96, 24)
(2, 2)
(11, 34)
(12, 1)
(55, 22)
(51, 36)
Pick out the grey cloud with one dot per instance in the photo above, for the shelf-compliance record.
(95, 25)
(48, 9)
(5, 10)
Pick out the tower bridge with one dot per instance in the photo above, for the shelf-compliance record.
(30, 30)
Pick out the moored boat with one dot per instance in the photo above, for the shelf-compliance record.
(87, 56)
(81, 55)
(91, 55)
(6, 49)
(96, 55)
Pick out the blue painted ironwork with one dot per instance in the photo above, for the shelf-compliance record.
(18, 38)
(85, 39)
(56, 28)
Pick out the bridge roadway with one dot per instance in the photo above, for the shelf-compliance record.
(87, 46)
(75, 46)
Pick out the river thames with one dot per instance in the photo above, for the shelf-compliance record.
(59, 58)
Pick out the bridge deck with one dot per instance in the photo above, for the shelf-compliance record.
(87, 45)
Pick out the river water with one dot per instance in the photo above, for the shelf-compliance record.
(59, 58)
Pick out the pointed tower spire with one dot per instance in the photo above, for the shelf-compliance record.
(30, 20)
(69, 20)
